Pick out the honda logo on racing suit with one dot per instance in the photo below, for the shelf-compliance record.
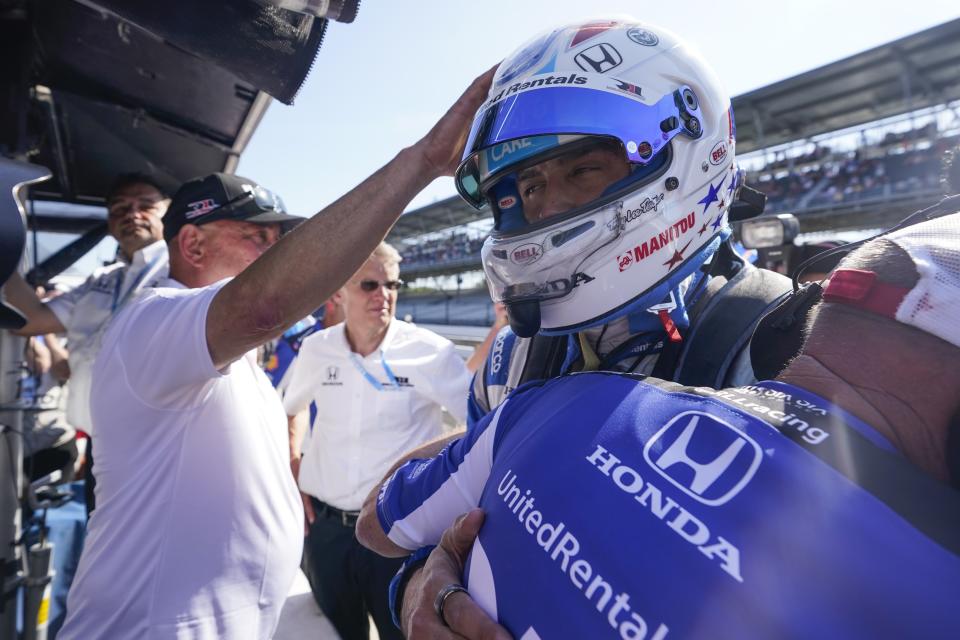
(703, 456)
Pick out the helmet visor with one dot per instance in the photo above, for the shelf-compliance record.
(644, 130)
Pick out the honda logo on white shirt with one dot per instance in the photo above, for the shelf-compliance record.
(599, 58)
(706, 458)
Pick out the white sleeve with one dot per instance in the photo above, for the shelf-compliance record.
(448, 383)
(420, 500)
(161, 343)
(64, 304)
(299, 379)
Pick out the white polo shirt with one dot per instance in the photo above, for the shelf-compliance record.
(86, 310)
(198, 529)
(360, 431)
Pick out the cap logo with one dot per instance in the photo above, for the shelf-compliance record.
(200, 207)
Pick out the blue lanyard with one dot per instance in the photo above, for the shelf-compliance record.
(376, 384)
(117, 301)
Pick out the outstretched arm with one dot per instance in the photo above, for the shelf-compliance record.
(309, 264)
(40, 319)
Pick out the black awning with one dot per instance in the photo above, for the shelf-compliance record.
(94, 88)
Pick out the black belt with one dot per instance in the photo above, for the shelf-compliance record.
(346, 518)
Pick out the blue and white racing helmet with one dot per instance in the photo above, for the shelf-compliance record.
(606, 152)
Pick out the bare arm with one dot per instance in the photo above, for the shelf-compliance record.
(296, 427)
(369, 532)
(479, 355)
(308, 265)
(37, 356)
(40, 319)
(60, 358)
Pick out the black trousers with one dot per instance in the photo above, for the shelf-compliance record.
(348, 581)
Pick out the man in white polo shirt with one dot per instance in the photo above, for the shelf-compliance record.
(379, 384)
(135, 206)
(197, 533)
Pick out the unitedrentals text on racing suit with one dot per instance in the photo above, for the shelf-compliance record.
(617, 507)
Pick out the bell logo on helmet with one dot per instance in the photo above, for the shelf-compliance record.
(719, 153)
(506, 202)
(526, 253)
(625, 261)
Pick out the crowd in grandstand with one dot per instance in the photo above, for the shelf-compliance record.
(822, 178)
(456, 246)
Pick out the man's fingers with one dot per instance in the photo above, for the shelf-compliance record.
(459, 538)
(465, 617)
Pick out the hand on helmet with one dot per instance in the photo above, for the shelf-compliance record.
(442, 147)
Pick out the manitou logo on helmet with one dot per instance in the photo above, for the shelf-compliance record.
(526, 253)
(719, 153)
(547, 81)
(657, 242)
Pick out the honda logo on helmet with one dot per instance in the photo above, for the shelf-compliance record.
(526, 253)
(703, 456)
(599, 58)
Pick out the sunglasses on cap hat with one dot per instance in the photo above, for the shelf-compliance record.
(372, 285)
(248, 204)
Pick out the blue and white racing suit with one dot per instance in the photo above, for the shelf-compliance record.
(617, 507)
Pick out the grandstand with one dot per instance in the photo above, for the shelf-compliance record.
(852, 145)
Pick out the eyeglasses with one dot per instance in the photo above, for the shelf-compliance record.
(372, 285)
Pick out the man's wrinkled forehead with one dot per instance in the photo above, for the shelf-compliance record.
(139, 190)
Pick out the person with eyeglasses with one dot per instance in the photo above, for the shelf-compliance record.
(198, 530)
(379, 384)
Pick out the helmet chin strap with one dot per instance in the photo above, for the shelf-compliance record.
(524, 317)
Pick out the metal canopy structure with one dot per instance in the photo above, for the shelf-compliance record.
(918, 71)
(93, 88)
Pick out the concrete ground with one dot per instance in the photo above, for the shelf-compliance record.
(301, 617)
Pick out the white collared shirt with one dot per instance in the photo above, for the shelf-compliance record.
(86, 311)
(198, 529)
(360, 431)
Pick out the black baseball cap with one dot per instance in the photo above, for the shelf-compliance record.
(222, 196)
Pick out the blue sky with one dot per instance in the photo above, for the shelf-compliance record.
(381, 82)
